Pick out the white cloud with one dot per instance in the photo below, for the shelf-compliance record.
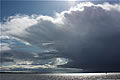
(33, 64)
(35, 28)
(17, 24)
(78, 33)
(4, 47)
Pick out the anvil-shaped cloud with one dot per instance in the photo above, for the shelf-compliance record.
(86, 36)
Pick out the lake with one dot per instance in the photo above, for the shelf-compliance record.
(61, 76)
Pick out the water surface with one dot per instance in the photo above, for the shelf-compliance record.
(61, 76)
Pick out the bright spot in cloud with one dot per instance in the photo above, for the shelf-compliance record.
(72, 0)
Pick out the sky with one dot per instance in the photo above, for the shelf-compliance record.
(10, 8)
(29, 7)
(60, 36)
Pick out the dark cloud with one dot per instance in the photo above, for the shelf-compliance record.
(88, 35)
(98, 46)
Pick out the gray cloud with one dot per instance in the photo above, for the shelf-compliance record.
(88, 35)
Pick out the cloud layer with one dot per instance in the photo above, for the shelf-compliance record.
(86, 36)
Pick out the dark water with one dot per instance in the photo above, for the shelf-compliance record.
(64, 76)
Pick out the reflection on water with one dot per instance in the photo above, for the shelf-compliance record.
(64, 76)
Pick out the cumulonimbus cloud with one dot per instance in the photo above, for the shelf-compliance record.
(87, 34)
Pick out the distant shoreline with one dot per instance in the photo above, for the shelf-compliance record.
(21, 72)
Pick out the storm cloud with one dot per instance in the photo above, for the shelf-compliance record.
(87, 35)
